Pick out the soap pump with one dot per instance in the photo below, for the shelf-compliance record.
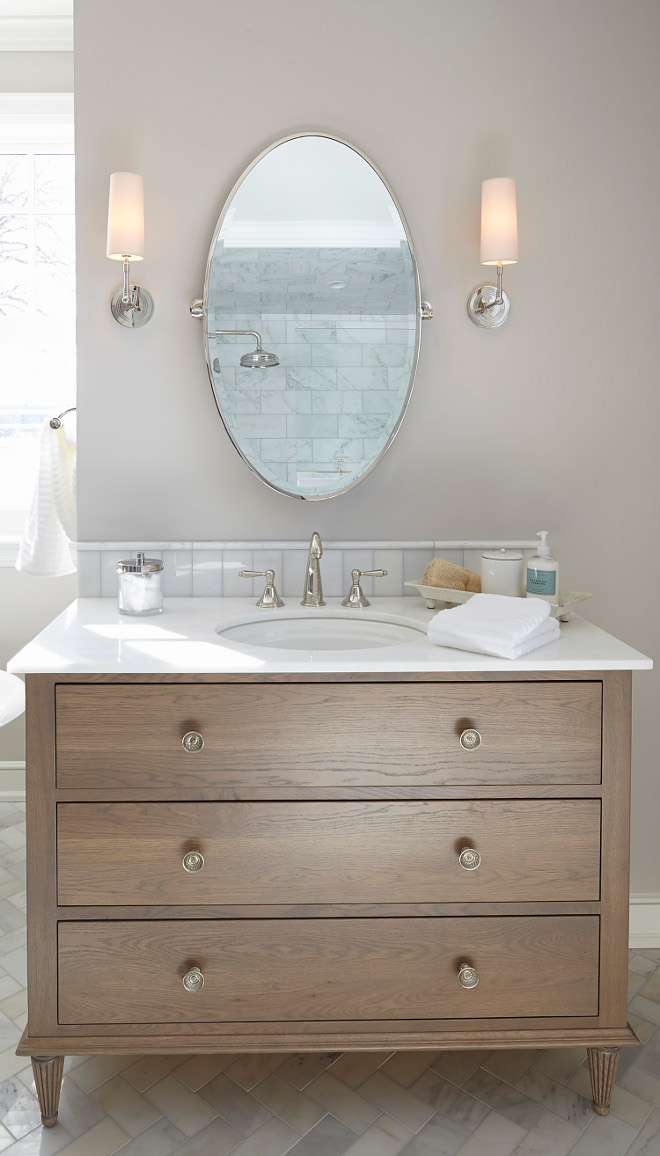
(543, 572)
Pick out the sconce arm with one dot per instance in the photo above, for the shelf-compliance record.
(499, 300)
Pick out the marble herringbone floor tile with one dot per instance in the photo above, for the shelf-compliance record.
(476, 1103)
(285, 1101)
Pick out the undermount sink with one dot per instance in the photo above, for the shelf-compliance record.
(319, 630)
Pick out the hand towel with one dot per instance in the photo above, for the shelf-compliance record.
(50, 528)
(495, 624)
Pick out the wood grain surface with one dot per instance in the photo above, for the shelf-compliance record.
(315, 853)
(368, 969)
(367, 734)
(536, 1034)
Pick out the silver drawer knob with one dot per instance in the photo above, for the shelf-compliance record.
(193, 861)
(467, 976)
(470, 740)
(469, 859)
(193, 980)
(192, 741)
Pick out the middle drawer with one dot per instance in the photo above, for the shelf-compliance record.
(367, 852)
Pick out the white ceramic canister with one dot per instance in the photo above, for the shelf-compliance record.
(502, 572)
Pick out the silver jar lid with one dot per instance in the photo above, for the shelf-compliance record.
(139, 565)
(503, 555)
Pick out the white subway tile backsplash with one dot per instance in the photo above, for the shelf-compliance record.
(207, 573)
(89, 574)
(293, 573)
(414, 563)
(210, 569)
(392, 583)
(109, 559)
(331, 573)
(177, 577)
(232, 562)
(455, 556)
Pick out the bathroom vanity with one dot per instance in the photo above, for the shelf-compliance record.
(236, 848)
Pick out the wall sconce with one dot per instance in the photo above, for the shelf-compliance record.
(131, 305)
(489, 305)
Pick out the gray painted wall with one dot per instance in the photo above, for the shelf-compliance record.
(551, 421)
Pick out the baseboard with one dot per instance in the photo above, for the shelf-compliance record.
(644, 920)
(644, 906)
(12, 782)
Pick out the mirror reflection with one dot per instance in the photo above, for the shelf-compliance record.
(312, 316)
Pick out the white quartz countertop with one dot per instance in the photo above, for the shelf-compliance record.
(91, 637)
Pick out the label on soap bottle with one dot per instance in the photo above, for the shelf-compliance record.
(541, 581)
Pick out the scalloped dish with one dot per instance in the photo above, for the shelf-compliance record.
(435, 596)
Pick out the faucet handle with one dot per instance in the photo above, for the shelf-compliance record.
(270, 599)
(356, 596)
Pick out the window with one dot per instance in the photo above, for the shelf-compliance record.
(37, 285)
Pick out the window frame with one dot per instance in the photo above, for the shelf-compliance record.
(32, 123)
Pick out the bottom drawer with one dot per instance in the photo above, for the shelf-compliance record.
(326, 969)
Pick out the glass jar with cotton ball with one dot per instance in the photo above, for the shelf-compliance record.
(138, 585)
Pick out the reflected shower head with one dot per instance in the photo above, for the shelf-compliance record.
(258, 358)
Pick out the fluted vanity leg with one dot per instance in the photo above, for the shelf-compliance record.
(603, 1064)
(48, 1079)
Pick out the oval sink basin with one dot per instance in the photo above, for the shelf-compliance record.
(318, 631)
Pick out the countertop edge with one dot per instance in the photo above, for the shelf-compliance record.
(90, 637)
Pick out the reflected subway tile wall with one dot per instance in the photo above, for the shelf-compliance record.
(343, 325)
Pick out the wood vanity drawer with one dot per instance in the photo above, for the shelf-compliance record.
(335, 735)
(327, 969)
(371, 852)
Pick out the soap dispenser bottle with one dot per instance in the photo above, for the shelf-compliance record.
(543, 573)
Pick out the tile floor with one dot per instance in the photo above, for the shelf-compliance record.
(530, 1103)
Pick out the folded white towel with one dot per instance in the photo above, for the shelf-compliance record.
(51, 522)
(495, 624)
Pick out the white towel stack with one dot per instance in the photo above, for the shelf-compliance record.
(51, 523)
(495, 624)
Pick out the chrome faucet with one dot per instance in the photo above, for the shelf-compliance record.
(313, 590)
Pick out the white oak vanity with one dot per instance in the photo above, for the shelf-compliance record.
(415, 848)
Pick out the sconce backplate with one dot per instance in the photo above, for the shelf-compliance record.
(487, 318)
(127, 314)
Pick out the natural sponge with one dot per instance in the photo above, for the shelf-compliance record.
(440, 572)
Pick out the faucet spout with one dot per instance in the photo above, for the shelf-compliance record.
(313, 589)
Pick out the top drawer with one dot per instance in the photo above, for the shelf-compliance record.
(332, 735)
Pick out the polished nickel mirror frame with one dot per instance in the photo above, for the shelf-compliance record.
(424, 312)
